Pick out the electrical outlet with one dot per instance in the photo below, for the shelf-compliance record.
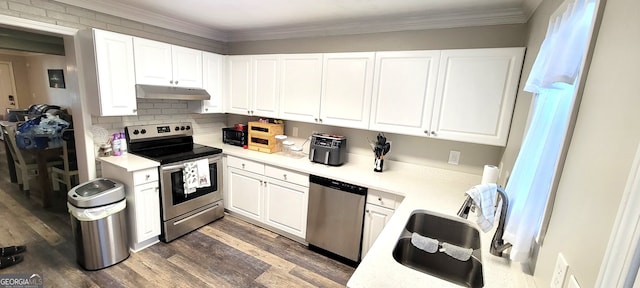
(454, 157)
(559, 272)
(573, 283)
(294, 132)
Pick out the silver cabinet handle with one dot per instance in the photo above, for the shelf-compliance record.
(176, 82)
(315, 119)
(284, 176)
(170, 81)
(426, 132)
(147, 176)
(433, 133)
(380, 199)
(242, 165)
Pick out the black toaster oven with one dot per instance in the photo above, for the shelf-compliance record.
(235, 137)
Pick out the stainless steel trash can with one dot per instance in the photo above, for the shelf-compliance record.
(97, 212)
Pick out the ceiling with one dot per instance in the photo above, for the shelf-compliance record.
(241, 20)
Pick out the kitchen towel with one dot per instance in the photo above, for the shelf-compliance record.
(484, 197)
(457, 252)
(424, 243)
(195, 175)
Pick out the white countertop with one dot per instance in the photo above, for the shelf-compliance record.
(130, 162)
(423, 187)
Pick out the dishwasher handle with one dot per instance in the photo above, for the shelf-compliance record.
(338, 185)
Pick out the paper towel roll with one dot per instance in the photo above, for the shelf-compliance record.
(490, 174)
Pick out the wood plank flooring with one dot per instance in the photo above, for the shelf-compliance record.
(225, 253)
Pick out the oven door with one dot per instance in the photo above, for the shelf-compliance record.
(174, 201)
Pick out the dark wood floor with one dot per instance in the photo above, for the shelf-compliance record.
(225, 253)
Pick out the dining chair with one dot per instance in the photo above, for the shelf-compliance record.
(67, 172)
(26, 164)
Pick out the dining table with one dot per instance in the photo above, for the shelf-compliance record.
(44, 178)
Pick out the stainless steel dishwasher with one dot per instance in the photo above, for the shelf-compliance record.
(335, 216)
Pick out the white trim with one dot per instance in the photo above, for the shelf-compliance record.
(437, 21)
(618, 262)
(144, 16)
(423, 22)
(35, 25)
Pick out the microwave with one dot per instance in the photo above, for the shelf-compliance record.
(235, 137)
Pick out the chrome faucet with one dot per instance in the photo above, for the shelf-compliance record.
(497, 244)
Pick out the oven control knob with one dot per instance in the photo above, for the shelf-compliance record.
(136, 132)
(143, 131)
(177, 128)
(181, 127)
(188, 127)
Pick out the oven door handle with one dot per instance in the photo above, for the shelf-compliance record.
(172, 167)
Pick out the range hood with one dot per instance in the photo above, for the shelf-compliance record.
(168, 92)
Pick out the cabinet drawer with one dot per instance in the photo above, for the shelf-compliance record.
(246, 165)
(145, 176)
(383, 199)
(287, 175)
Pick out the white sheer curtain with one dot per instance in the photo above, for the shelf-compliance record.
(551, 80)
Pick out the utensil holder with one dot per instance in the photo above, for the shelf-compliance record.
(378, 164)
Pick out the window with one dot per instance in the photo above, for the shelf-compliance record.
(553, 80)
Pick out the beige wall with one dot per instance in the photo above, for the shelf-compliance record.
(41, 93)
(606, 136)
(470, 37)
(21, 76)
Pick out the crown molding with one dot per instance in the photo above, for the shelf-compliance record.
(144, 16)
(407, 23)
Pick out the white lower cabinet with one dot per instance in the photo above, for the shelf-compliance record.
(379, 209)
(268, 195)
(142, 192)
(286, 206)
(245, 193)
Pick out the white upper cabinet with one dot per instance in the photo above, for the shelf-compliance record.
(403, 91)
(253, 85)
(301, 87)
(239, 95)
(346, 89)
(266, 84)
(114, 81)
(159, 63)
(475, 94)
(213, 81)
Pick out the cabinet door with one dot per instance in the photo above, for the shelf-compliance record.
(476, 94)
(239, 85)
(346, 89)
(265, 85)
(153, 62)
(245, 193)
(375, 218)
(301, 78)
(212, 81)
(286, 206)
(147, 211)
(187, 67)
(116, 73)
(403, 91)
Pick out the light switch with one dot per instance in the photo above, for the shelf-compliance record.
(454, 157)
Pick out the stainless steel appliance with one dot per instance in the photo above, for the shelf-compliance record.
(335, 217)
(97, 212)
(172, 145)
(234, 136)
(328, 149)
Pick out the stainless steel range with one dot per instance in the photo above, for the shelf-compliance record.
(184, 206)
